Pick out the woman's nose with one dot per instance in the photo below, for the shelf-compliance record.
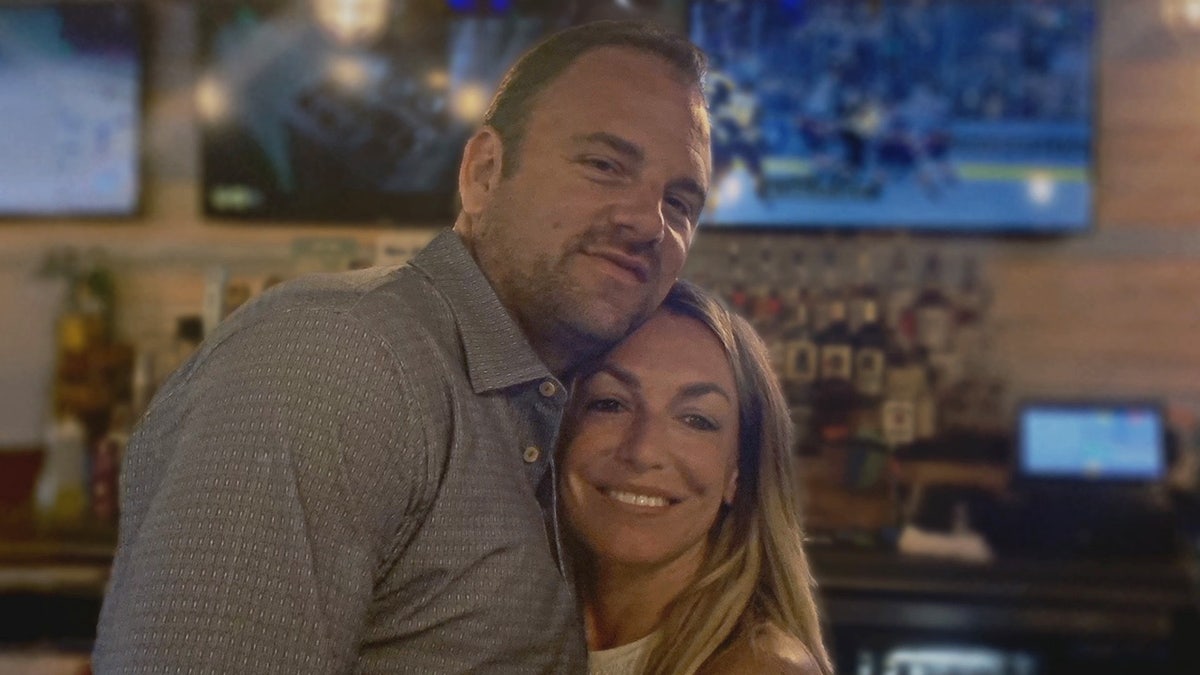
(644, 444)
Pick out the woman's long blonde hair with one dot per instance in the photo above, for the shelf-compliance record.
(756, 574)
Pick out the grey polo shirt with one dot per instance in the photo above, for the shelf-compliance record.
(343, 480)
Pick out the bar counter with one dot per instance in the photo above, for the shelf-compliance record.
(51, 592)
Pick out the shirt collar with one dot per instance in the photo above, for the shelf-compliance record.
(498, 354)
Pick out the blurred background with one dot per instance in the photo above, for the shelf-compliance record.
(967, 229)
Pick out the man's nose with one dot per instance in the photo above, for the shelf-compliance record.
(640, 216)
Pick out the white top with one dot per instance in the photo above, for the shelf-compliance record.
(627, 659)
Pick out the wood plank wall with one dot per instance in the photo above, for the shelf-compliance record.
(1118, 311)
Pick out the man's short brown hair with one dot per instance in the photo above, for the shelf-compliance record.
(538, 67)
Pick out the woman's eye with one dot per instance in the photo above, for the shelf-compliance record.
(700, 422)
(605, 405)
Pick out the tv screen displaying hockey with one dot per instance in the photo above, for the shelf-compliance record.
(944, 115)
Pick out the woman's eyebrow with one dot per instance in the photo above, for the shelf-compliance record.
(621, 375)
(703, 388)
(693, 390)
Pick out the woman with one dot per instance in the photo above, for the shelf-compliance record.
(677, 485)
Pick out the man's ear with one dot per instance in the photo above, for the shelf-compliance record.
(480, 170)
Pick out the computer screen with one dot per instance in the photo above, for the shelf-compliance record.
(70, 108)
(955, 116)
(1092, 441)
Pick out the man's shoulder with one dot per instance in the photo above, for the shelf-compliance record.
(395, 304)
(763, 650)
(346, 291)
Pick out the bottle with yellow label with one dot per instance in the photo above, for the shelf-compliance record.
(60, 498)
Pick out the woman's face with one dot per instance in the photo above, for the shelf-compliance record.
(654, 447)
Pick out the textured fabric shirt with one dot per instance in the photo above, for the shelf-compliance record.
(343, 479)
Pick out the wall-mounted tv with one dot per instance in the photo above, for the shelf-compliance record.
(971, 116)
(328, 110)
(70, 109)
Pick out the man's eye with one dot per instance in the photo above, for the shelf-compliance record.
(680, 206)
(601, 164)
(701, 422)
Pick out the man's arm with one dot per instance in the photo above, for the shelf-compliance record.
(263, 495)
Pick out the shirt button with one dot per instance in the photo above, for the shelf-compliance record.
(532, 453)
(547, 388)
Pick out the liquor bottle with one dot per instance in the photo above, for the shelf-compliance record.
(830, 292)
(968, 377)
(903, 384)
(870, 360)
(801, 363)
(106, 467)
(901, 294)
(972, 300)
(869, 370)
(834, 399)
(973, 296)
(933, 311)
(864, 291)
(216, 281)
(765, 303)
(189, 333)
(834, 344)
(61, 493)
(795, 282)
(141, 385)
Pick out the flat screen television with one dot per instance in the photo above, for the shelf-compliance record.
(971, 116)
(320, 110)
(70, 109)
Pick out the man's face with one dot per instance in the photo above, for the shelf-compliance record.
(584, 239)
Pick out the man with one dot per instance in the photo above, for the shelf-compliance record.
(343, 478)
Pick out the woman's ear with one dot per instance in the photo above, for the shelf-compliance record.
(730, 489)
(480, 170)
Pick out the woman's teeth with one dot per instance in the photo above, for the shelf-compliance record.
(636, 499)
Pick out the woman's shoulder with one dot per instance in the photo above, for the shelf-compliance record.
(763, 650)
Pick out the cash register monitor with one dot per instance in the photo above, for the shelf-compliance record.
(1090, 476)
(1092, 442)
